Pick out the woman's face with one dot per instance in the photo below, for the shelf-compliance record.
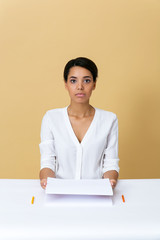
(80, 84)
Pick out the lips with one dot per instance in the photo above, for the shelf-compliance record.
(80, 94)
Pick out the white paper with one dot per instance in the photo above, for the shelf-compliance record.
(60, 200)
(98, 187)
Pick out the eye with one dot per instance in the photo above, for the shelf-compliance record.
(73, 81)
(87, 80)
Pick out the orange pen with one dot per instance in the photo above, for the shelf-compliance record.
(123, 198)
(32, 200)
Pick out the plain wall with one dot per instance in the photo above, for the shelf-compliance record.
(37, 38)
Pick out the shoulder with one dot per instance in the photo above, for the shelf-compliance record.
(55, 111)
(54, 114)
(109, 119)
(106, 114)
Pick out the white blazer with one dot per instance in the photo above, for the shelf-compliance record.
(67, 157)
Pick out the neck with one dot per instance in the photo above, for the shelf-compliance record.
(80, 110)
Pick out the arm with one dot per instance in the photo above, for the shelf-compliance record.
(47, 150)
(110, 164)
(44, 174)
(113, 176)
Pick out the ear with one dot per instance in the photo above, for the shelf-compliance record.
(65, 85)
(94, 86)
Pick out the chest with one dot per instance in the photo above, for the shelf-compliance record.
(80, 126)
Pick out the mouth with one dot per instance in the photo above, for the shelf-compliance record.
(80, 95)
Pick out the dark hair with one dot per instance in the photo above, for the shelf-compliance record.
(81, 62)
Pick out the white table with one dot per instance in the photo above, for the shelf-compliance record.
(137, 218)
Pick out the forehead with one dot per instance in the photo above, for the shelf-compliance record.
(79, 71)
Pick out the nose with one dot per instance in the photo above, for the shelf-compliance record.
(80, 86)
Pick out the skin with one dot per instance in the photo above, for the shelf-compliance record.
(79, 85)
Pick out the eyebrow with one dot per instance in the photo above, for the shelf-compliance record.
(83, 77)
(86, 77)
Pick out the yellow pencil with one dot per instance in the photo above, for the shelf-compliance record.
(32, 200)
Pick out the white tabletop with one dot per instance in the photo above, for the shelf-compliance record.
(137, 218)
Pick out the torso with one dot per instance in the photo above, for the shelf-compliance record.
(74, 160)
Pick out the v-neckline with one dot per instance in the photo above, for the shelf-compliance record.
(71, 131)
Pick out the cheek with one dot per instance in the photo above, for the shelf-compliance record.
(71, 90)
(90, 89)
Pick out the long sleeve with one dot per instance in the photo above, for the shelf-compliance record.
(47, 148)
(110, 157)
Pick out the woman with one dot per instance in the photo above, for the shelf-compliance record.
(79, 141)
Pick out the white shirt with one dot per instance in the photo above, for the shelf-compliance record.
(67, 157)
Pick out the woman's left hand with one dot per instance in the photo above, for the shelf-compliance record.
(113, 183)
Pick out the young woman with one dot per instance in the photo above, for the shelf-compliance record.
(79, 141)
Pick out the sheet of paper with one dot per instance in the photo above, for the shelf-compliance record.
(98, 187)
(60, 200)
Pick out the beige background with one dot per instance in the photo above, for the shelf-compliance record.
(38, 37)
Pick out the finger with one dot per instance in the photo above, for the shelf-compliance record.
(43, 183)
(43, 186)
(113, 183)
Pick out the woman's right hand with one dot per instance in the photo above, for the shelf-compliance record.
(43, 183)
(44, 174)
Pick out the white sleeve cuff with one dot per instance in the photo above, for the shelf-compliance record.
(51, 163)
(110, 164)
(48, 156)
